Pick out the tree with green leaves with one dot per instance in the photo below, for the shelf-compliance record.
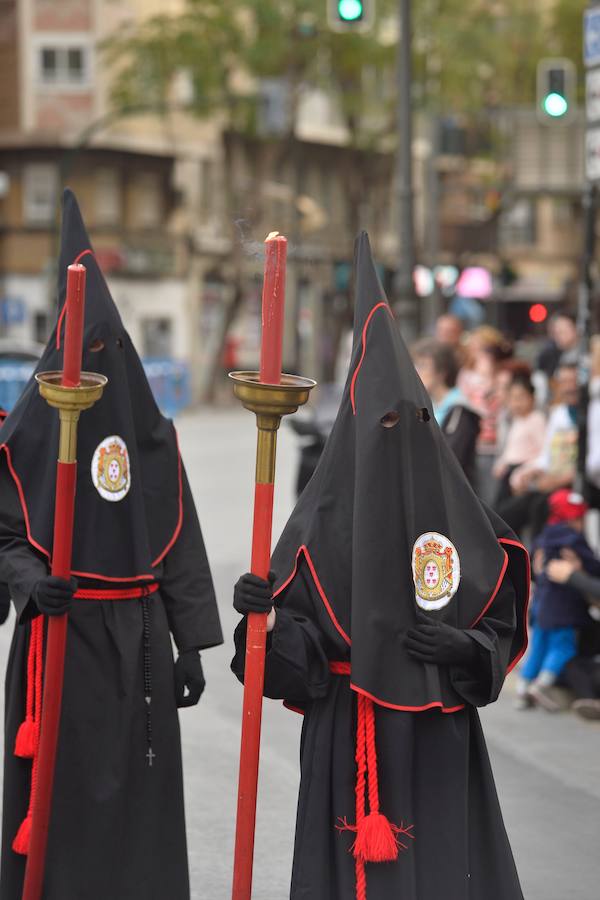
(471, 57)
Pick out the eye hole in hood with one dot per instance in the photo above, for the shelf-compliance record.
(390, 419)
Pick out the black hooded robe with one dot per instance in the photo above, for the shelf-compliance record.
(117, 825)
(434, 769)
(347, 592)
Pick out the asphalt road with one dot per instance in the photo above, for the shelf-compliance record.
(547, 767)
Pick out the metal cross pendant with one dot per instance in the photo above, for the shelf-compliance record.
(150, 755)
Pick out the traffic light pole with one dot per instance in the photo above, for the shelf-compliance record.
(405, 291)
(584, 324)
(591, 59)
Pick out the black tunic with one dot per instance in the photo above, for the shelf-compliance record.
(434, 769)
(117, 828)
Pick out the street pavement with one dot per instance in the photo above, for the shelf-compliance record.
(547, 767)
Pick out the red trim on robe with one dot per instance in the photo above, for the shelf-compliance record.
(295, 709)
(521, 652)
(433, 705)
(496, 589)
(322, 594)
(175, 535)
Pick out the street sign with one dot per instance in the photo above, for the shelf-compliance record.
(592, 154)
(592, 95)
(12, 311)
(591, 37)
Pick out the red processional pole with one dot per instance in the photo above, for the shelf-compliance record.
(270, 395)
(70, 391)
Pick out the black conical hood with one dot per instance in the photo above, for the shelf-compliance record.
(128, 505)
(388, 522)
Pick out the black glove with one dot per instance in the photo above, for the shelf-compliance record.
(432, 641)
(53, 595)
(253, 594)
(189, 674)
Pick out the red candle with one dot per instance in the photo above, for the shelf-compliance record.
(273, 302)
(75, 305)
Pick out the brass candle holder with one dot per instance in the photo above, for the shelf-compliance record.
(70, 402)
(269, 402)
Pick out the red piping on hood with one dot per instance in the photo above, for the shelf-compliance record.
(381, 305)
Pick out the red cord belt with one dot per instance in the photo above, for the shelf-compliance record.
(117, 593)
(377, 839)
(28, 735)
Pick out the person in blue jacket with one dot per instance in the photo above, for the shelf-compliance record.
(560, 610)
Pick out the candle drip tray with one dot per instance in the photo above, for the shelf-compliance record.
(78, 398)
(271, 399)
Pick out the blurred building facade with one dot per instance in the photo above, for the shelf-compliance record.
(55, 131)
(177, 208)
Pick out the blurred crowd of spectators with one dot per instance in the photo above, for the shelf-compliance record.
(514, 426)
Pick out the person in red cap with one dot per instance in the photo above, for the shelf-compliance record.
(560, 610)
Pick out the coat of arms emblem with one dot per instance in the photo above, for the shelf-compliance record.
(110, 468)
(436, 570)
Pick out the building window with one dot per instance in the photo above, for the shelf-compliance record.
(107, 199)
(148, 201)
(157, 338)
(41, 327)
(564, 213)
(64, 64)
(40, 186)
(517, 224)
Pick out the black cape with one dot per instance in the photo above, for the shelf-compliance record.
(117, 826)
(349, 583)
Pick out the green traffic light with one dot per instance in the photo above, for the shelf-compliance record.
(555, 105)
(350, 10)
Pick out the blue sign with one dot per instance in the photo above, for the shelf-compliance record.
(12, 311)
(591, 36)
(170, 383)
(168, 378)
(14, 375)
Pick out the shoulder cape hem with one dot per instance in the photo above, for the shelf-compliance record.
(96, 575)
(329, 608)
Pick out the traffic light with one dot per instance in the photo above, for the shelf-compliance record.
(350, 15)
(538, 313)
(555, 90)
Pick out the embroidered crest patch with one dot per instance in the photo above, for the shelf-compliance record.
(110, 468)
(436, 570)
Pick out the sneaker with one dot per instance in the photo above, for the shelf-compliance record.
(587, 708)
(543, 696)
(523, 701)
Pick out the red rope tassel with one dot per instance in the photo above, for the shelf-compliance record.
(36, 657)
(25, 740)
(377, 839)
